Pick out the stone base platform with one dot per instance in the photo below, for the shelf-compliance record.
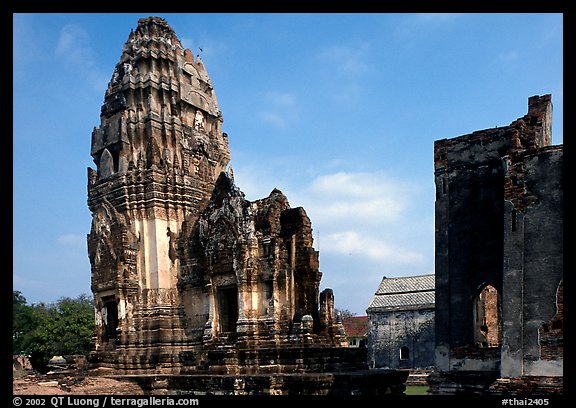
(489, 383)
(528, 385)
(364, 382)
(461, 382)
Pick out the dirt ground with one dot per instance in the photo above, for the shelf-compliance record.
(72, 385)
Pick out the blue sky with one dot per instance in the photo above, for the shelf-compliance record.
(338, 111)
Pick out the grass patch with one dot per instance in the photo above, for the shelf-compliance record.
(416, 390)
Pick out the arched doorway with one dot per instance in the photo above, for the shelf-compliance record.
(227, 308)
(487, 318)
(404, 353)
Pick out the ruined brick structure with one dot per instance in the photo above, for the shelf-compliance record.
(188, 276)
(499, 258)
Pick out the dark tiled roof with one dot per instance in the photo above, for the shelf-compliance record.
(406, 293)
(406, 284)
(355, 326)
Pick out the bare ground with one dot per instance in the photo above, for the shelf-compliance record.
(72, 385)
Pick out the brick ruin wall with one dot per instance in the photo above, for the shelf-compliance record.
(499, 218)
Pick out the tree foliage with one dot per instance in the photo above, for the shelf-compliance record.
(44, 330)
(344, 313)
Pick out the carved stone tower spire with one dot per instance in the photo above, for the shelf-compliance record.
(187, 274)
(158, 152)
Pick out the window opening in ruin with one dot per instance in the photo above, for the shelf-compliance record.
(115, 158)
(265, 249)
(487, 318)
(106, 164)
(404, 353)
(513, 220)
(110, 316)
(268, 289)
(228, 308)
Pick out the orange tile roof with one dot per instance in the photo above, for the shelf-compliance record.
(356, 326)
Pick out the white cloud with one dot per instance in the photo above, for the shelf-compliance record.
(510, 55)
(272, 118)
(371, 247)
(375, 210)
(344, 68)
(281, 108)
(211, 48)
(366, 200)
(284, 99)
(75, 51)
(73, 45)
(75, 241)
(365, 224)
(417, 25)
(345, 184)
(347, 59)
(358, 198)
(26, 50)
(189, 43)
(435, 18)
(508, 61)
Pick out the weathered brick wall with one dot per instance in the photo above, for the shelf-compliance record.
(390, 331)
(499, 222)
(552, 332)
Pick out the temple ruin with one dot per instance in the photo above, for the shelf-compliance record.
(198, 290)
(499, 258)
(193, 283)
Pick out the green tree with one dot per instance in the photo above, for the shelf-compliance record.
(74, 325)
(42, 331)
(22, 323)
(40, 341)
(345, 313)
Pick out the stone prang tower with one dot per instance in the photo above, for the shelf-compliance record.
(158, 151)
(187, 274)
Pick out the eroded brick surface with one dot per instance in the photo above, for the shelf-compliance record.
(499, 252)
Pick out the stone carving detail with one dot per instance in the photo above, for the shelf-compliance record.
(227, 246)
(106, 164)
(199, 121)
(181, 261)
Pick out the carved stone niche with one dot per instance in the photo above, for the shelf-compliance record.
(227, 279)
(106, 164)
